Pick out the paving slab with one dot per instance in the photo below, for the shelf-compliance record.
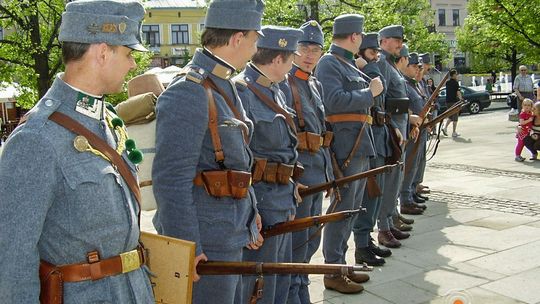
(474, 295)
(511, 261)
(523, 286)
(440, 281)
(502, 221)
(394, 292)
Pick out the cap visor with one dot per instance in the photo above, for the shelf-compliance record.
(260, 33)
(138, 47)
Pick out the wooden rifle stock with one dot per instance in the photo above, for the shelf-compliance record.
(258, 268)
(345, 180)
(306, 222)
(433, 97)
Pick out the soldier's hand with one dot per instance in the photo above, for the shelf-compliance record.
(297, 187)
(376, 86)
(414, 133)
(200, 257)
(329, 192)
(360, 62)
(415, 120)
(257, 244)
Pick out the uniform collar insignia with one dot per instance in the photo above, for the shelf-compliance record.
(91, 106)
(222, 68)
(301, 74)
(262, 79)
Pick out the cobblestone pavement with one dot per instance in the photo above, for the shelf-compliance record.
(483, 170)
(460, 200)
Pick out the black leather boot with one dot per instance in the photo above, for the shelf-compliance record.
(365, 255)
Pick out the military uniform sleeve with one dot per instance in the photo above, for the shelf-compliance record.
(336, 98)
(29, 176)
(182, 121)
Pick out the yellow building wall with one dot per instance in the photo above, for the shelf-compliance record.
(168, 53)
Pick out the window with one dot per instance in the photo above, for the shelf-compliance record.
(201, 27)
(151, 35)
(442, 17)
(180, 34)
(455, 17)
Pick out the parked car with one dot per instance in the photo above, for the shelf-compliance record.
(478, 100)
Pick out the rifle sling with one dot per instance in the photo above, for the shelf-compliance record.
(101, 145)
(272, 105)
(297, 101)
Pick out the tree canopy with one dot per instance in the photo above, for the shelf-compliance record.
(415, 16)
(501, 34)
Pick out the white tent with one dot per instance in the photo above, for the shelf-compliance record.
(165, 75)
(8, 92)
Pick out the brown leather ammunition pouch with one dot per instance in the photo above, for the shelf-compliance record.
(51, 282)
(275, 172)
(224, 183)
(327, 139)
(313, 142)
(258, 169)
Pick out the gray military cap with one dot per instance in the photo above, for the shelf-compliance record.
(348, 24)
(404, 52)
(370, 41)
(279, 38)
(392, 31)
(235, 15)
(414, 58)
(426, 58)
(312, 33)
(103, 21)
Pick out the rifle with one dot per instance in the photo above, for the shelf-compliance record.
(429, 104)
(304, 223)
(259, 268)
(347, 179)
(454, 109)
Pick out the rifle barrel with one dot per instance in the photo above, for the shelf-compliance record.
(345, 180)
(306, 222)
(254, 268)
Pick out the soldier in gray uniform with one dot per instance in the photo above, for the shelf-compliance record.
(202, 168)
(364, 223)
(348, 96)
(274, 148)
(396, 105)
(64, 207)
(304, 95)
(416, 146)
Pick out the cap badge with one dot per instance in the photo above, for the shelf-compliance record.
(122, 27)
(93, 28)
(282, 42)
(109, 28)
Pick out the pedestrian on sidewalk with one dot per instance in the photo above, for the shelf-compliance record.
(523, 86)
(526, 118)
(532, 141)
(453, 95)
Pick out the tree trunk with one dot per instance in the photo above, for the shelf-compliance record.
(513, 70)
(314, 10)
(40, 56)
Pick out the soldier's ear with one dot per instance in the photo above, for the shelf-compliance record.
(236, 39)
(101, 52)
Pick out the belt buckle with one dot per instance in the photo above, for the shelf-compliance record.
(130, 261)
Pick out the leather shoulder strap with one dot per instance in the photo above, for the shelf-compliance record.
(297, 101)
(213, 126)
(101, 145)
(272, 105)
(229, 102)
(364, 75)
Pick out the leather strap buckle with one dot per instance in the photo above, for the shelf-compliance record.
(130, 261)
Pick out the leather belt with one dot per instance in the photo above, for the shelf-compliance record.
(349, 118)
(221, 183)
(97, 269)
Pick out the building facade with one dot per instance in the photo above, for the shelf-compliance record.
(449, 16)
(172, 29)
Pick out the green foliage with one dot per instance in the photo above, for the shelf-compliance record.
(30, 53)
(501, 34)
(415, 16)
